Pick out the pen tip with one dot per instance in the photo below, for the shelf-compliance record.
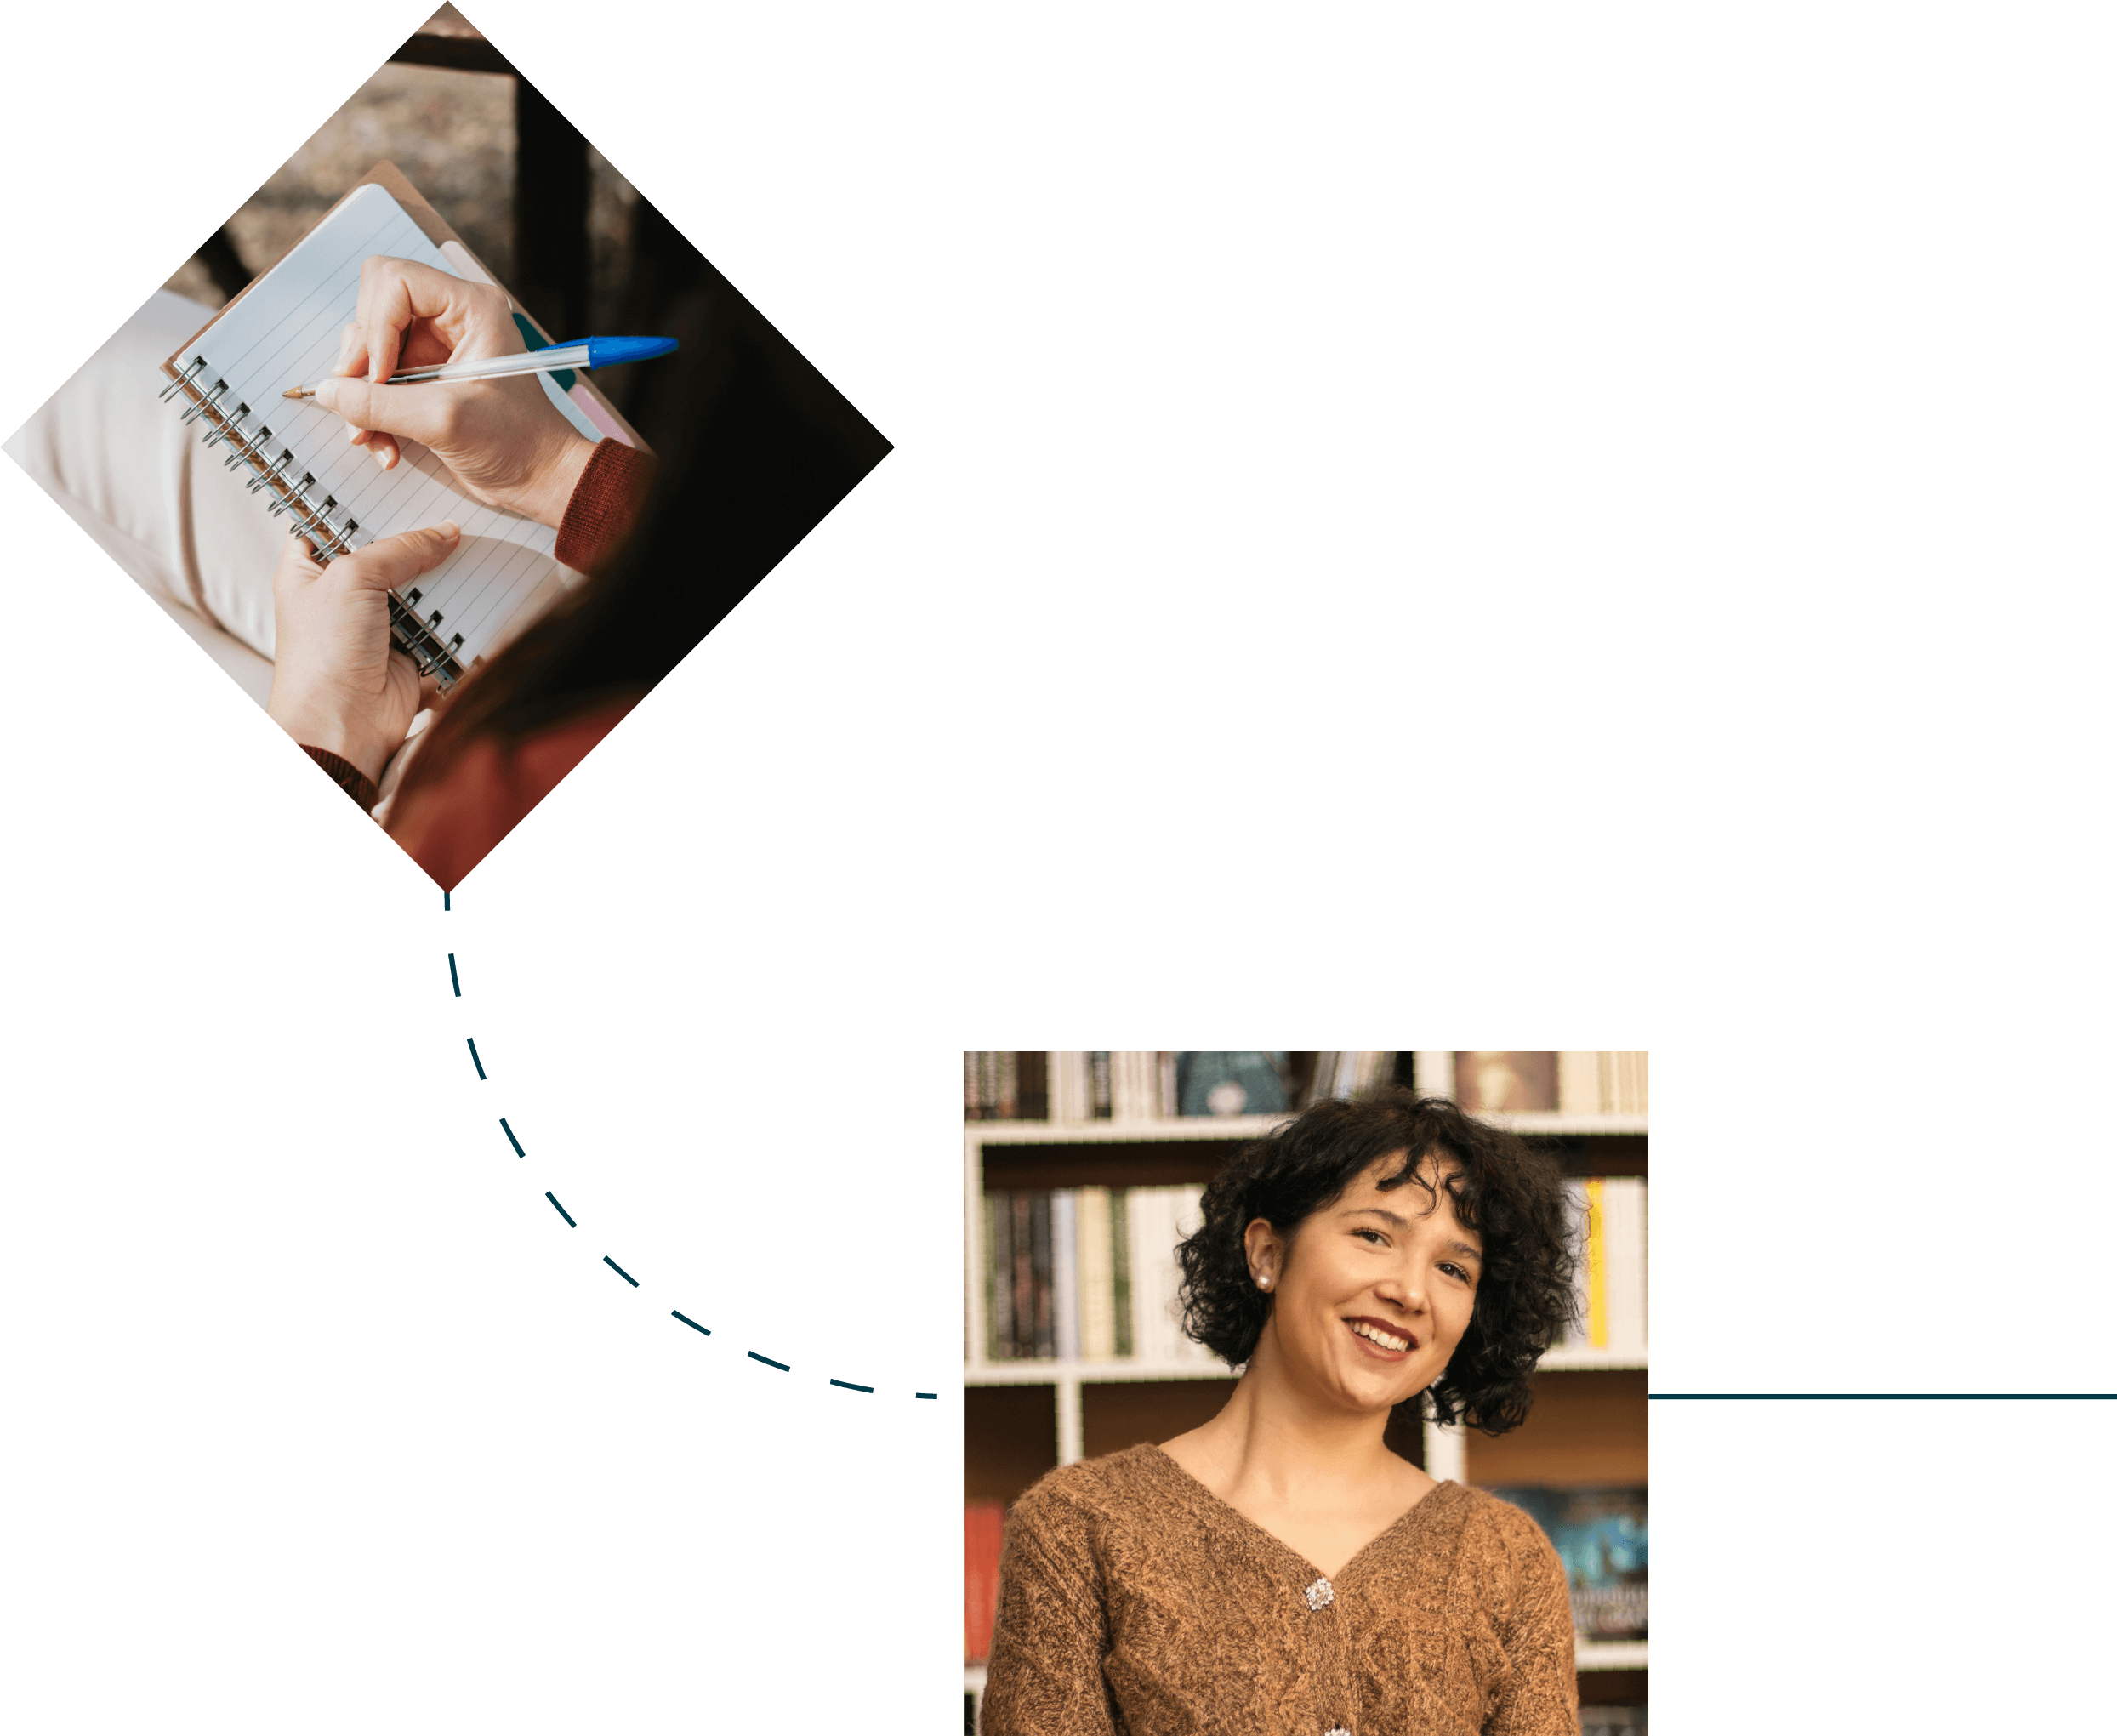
(295, 392)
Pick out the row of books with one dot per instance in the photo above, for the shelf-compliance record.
(1600, 1534)
(1132, 1084)
(1610, 1281)
(1087, 1273)
(1091, 1273)
(1138, 1085)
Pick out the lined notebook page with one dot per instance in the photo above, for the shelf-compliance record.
(285, 332)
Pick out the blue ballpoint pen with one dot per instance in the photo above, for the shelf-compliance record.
(582, 353)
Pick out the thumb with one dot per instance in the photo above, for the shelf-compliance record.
(393, 561)
(416, 413)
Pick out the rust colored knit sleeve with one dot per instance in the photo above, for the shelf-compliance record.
(1051, 1636)
(348, 776)
(605, 505)
(1539, 1693)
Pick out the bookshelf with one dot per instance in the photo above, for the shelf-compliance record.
(1024, 1417)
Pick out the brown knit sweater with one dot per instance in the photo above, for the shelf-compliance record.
(1134, 1602)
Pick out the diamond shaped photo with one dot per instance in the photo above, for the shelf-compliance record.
(445, 551)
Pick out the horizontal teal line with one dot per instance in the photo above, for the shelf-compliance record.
(1982, 1396)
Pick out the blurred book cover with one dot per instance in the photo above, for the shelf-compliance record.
(1488, 1082)
(1601, 1535)
(1210, 1083)
(983, 1523)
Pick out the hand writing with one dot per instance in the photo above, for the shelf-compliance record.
(503, 440)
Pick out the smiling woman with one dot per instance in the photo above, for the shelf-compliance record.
(1280, 1568)
(1493, 1252)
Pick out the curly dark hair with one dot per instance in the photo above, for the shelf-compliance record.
(1514, 1197)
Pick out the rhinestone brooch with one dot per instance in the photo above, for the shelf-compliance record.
(1319, 1594)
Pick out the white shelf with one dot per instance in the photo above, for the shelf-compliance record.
(1050, 1373)
(1593, 1356)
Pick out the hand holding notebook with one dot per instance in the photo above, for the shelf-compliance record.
(338, 683)
(503, 440)
(286, 329)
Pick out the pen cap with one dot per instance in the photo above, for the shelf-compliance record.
(608, 352)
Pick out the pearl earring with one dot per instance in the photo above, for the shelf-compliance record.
(1263, 1282)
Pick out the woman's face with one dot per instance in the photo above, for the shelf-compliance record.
(1373, 1293)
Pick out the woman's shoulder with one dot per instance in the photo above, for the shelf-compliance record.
(1118, 1487)
(1494, 1517)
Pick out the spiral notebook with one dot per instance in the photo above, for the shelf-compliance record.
(283, 331)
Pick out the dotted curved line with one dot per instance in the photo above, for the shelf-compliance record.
(455, 984)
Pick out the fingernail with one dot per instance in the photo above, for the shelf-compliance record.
(449, 528)
(325, 391)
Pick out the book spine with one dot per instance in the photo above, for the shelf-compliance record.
(983, 1528)
(1189, 1205)
(1433, 1073)
(1168, 1071)
(1598, 1269)
(969, 1084)
(1578, 1091)
(1025, 1281)
(1632, 1082)
(1639, 1262)
(1538, 1073)
(1045, 1342)
(1123, 1340)
(1033, 1100)
(1140, 1231)
(1158, 1261)
(1098, 1294)
(1324, 1084)
(1065, 1274)
(1146, 1302)
(1623, 1207)
(1099, 1085)
(1007, 1092)
(999, 1278)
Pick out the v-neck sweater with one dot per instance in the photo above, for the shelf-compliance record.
(1134, 1602)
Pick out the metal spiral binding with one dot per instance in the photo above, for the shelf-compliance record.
(420, 640)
